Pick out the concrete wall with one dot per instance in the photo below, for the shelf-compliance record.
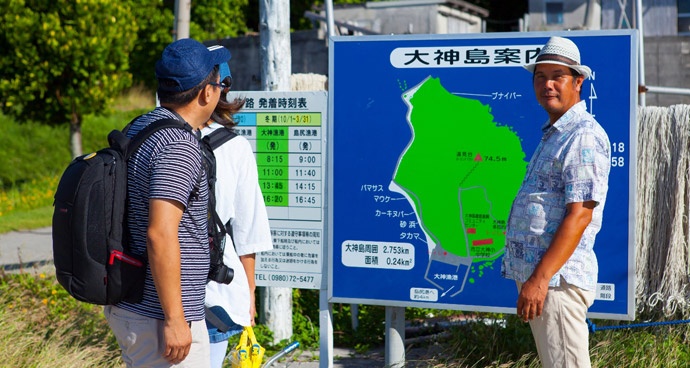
(413, 19)
(667, 63)
(613, 16)
(309, 55)
(660, 17)
(574, 15)
(398, 20)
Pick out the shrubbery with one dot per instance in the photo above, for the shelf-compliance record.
(29, 149)
(32, 151)
(42, 326)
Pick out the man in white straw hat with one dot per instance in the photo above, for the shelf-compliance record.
(558, 212)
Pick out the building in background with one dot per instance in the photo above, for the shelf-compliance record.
(666, 33)
(660, 17)
(552, 15)
(666, 27)
(406, 17)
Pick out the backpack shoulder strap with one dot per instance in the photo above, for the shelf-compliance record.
(157, 125)
(219, 136)
(212, 141)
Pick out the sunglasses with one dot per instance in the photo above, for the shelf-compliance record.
(224, 85)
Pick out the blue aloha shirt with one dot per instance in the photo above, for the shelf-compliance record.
(571, 164)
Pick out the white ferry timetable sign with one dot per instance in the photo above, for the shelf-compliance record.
(287, 132)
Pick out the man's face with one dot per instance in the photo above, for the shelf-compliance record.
(557, 90)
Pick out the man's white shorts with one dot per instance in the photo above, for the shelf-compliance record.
(141, 340)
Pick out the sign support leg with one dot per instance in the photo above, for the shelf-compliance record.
(325, 331)
(395, 337)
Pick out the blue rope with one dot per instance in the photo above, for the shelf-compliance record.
(593, 328)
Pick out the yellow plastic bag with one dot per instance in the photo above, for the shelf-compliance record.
(247, 353)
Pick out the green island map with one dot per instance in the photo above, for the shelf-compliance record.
(460, 173)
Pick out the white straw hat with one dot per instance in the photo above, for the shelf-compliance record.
(561, 51)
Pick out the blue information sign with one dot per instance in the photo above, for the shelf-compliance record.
(428, 145)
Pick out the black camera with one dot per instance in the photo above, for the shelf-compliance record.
(218, 271)
(221, 273)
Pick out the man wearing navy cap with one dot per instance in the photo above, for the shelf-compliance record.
(167, 216)
(558, 212)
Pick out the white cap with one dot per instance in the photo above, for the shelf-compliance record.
(561, 51)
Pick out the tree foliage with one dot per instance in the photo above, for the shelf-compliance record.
(210, 20)
(63, 59)
(155, 20)
(217, 19)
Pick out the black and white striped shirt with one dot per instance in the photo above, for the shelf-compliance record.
(168, 166)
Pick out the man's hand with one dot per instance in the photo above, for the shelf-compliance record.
(178, 340)
(578, 215)
(530, 302)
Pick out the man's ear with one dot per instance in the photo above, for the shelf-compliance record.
(578, 82)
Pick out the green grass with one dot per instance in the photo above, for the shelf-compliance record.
(33, 157)
(479, 344)
(42, 326)
(27, 205)
(26, 220)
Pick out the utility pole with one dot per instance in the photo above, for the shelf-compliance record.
(183, 9)
(639, 19)
(276, 67)
(593, 8)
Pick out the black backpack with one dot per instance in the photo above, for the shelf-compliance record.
(90, 250)
(218, 271)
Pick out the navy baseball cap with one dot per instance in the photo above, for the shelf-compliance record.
(188, 62)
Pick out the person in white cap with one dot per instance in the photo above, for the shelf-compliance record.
(558, 211)
(240, 206)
